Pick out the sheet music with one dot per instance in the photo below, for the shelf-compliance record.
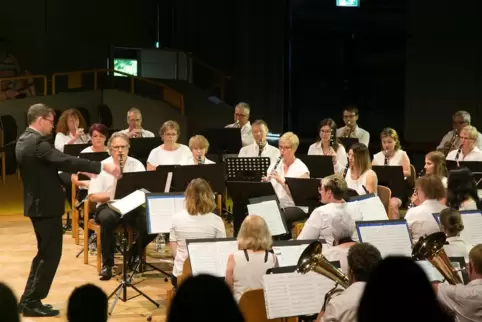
(368, 208)
(390, 239)
(211, 257)
(271, 214)
(129, 202)
(289, 255)
(472, 232)
(160, 211)
(433, 274)
(294, 294)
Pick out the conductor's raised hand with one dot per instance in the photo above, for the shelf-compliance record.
(112, 169)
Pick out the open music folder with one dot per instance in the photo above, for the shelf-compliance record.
(160, 207)
(271, 213)
(367, 207)
(434, 275)
(472, 220)
(129, 202)
(210, 256)
(391, 237)
(288, 252)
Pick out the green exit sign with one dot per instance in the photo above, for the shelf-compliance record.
(348, 3)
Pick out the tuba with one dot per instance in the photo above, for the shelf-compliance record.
(312, 260)
(431, 248)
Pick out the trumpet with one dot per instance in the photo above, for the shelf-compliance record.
(83, 137)
(350, 131)
(312, 259)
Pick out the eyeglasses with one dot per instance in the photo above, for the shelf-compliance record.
(169, 134)
(284, 147)
(51, 121)
(465, 138)
(240, 115)
(349, 116)
(119, 147)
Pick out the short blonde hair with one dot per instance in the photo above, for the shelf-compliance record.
(292, 139)
(254, 234)
(198, 141)
(388, 132)
(471, 131)
(170, 125)
(199, 197)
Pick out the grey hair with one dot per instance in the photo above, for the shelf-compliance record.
(118, 135)
(134, 110)
(342, 226)
(464, 115)
(245, 106)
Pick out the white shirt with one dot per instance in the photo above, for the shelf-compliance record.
(341, 159)
(252, 151)
(61, 140)
(104, 182)
(359, 133)
(395, 160)
(458, 247)
(318, 225)
(338, 253)
(296, 170)
(87, 150)
(464, 300)
(468, 204)
(144, 133)
(444, 182)
(474, 155)
(344, 307)
(420, 219)
(190, 161)
(449, 137)
(358, 184)
(246, 134)
(159, 156)
(185, 226)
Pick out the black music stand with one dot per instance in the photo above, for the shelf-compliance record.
(392, 177)
(474, 166)
(142, 147)
(350, 193)
(215, 157)
(241, 192)
(247, 169)
(305, 192)
(92, 156)
(320, 166)
(348, 142)
(224, 140)
(212, 173)
(74, 149)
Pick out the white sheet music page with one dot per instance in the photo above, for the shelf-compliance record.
(390, 239)
(161, 209)
(211, 257)
(472, 232)
(433, 274)
(271, 214)
(289, 255)
(224, 249)
(369, 208)
(129, 202)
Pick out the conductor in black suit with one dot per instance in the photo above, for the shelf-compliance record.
(39, 163)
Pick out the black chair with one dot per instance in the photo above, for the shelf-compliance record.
(86, 115)
(8, 139)
(105, 115)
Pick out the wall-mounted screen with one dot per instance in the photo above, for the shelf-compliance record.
(125, 65)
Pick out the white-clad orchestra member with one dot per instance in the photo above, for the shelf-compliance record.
(435, 165)
(241, 120)
(452, 225)
(199, 146)
(450, 141)
(393, 155)
(327, 143)
(288, 167)
(170, 152)
(134, 121)
(360, 176)
(351, 128)
(469, 151)
(362, 259)
(465, 300)
(319, 225)
(100, 192)
(260, 130)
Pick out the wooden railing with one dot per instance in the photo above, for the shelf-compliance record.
(26, 78)
(75, 80)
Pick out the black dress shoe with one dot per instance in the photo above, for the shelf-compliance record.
(40, 311)
(37, 304)
(106, 273)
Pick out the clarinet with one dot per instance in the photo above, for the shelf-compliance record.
(277, 164)
(121, 165)
(200, 160)
(346, 167)
(332, 139)
(458, 154)
(386, 157)
(260, 148)
(411, 204)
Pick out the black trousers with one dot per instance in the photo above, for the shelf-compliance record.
(66, 182)
(109, 220)
(49, 234)
(292, 215)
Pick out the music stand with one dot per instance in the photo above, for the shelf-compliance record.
(212, 173)
(241, 192)
(215, 157)
(224, 140)
(320, 166)
(348, 142)
(92, 156)
(474, 166)
(140, 148)
(246, 169)
(391, 177)
(305, 192)
(350, 193)
(74, 149)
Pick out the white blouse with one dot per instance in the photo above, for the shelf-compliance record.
(252, 151)
(420, 219)
(341, 158)
(190, 161)
(474, 155)
(359, 184)
(159, 156)
(458, 247)
(61, 140)
(396, 159)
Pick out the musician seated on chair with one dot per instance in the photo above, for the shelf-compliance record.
(435, 165)
(393, 155)
(362, 259)
(467, 149)
(420, 220)
(247, 266)
(452, 225)
(360, 176)
(135, 130)
(462, 190)
(241, 121)
(100, 191)
(327, 143)
(259, 130)
(199, 146)
(351, 129)
(451, 141)
(465, 301)
(319, 224)
(288, 167)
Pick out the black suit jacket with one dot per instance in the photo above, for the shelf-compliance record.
(39, 163)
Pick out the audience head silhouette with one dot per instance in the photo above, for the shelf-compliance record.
(87, 303)
(195, 297)
(389, 284)
(8, 305)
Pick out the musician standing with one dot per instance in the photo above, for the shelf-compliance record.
(468, 151)
(39, 164)
(351, 129)
(450, 141)
(135, 130)
(241, 120)
(259, 130)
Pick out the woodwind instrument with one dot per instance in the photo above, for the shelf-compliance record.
(458, 154)
(276, 165)
(386, 157)
(332, 139)
(411, 204)
(200, 160)
(346, 167)
(260, 148)
(121, 164)
(452, 142)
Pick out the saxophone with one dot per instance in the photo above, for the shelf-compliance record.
(452, 142)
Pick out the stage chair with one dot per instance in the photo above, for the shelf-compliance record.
(413, 177)
(296, 228)
(385, 195)
(252, 305)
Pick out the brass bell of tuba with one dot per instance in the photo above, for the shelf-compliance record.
(431, 248)
(312, 259)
